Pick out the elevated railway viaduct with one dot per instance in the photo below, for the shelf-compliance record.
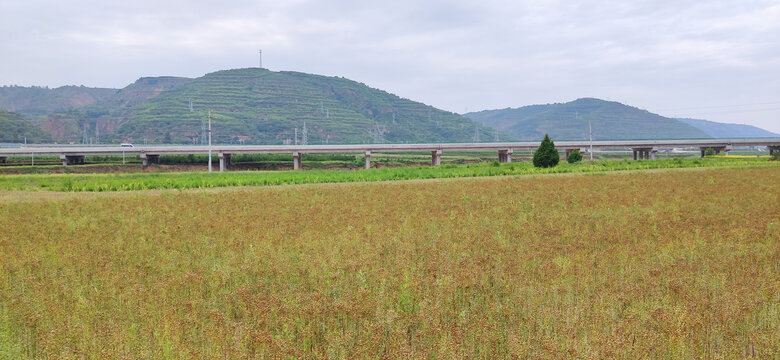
(641, 149)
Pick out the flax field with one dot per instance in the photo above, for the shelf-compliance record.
(672, 264)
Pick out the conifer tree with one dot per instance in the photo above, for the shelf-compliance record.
(546, 155)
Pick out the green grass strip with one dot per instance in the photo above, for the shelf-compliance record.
(201, 180)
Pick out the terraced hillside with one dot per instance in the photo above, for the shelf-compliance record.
(569, 121)
(265, 107)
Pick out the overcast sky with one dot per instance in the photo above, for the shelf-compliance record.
(710, 59)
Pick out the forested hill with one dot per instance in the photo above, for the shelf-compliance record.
(569, 121)
(15, 129)
(258, 106)
(41, 101)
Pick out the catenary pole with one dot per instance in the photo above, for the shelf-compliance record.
(209, 140)
(590, 130)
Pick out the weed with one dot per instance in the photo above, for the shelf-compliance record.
(612, 266)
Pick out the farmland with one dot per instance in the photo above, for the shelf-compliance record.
(663, 264)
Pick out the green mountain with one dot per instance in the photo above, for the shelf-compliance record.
(569, 121)
(265, 107)
(726, 131)
(15, 129)
(258, 106)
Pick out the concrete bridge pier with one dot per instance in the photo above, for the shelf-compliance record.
(435, 157)
(72, 159)
(505, 156)
(296, 160)
(645, 153)
(717, 149)
(368, 159)
(224, 161)
(568, 152)
(148, 159)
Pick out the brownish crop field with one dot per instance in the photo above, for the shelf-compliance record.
(665, 264)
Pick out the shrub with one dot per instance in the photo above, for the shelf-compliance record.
(574, 156)
(546, 155)
(709, 152)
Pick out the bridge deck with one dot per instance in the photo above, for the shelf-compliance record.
(256, 149)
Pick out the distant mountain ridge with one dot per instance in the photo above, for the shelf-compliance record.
(255, 106)
(40, 101)
(258, 106)
(725, 131)
(609, 121)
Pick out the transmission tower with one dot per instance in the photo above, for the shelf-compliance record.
(476, 133)
(378, 133)
(203, 132)
(305, 136)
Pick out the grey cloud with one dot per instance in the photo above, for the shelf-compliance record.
(658, 54)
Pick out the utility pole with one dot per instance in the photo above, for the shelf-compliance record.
(209, 140)
(590, 135)
(590, 130)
